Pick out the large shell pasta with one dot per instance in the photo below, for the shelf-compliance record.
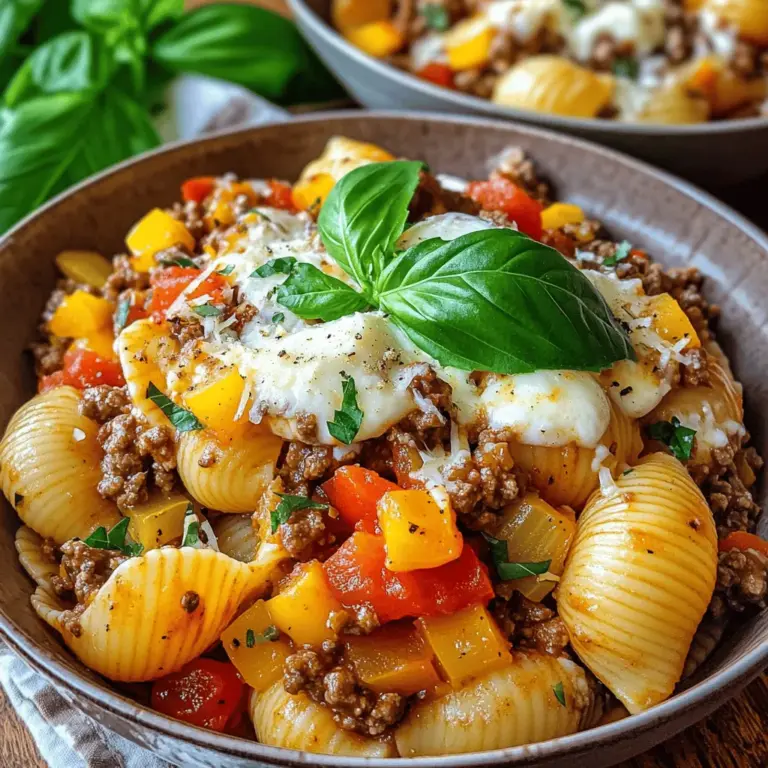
(49, 468)
(296, 722)
(638, 579)
(514, 705)
(236, 537)
(239, 474)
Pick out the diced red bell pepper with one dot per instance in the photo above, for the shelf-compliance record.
(743, 540)
(51, 381)
(198, 188)
(437, 73)
(281, 196)
(167, 285)
(83, 368)
(355, 492)
(501, 194)
(358, 576)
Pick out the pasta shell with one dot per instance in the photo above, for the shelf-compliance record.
(29, 546)
(49, 468)
(748, 17)
(297, 722)
(136, 629)
(506, 708)
(241, 472)
(673, 104)
(146, 350)
(707, 637)
(236, 536)
(638, 579)
(555, 85)
(47, 606)
(568, 475)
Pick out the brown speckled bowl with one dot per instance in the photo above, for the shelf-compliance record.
(674, 221)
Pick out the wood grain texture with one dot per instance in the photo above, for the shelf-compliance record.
(733, 737)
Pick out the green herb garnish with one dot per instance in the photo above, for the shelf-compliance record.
(510, 571)
(192, 530)
(179, 261)
(436, 17)
(121, 314)
(623, 249)
(346, 422)
(181, 418)
(577, 8)
(228, 270)
(313, 295)
(557, 688)
(675, 436)
(288, 505)
(206, 310)
(269, 635)
(282, 266)
(626, 66)
(278, 317)
(114, 539)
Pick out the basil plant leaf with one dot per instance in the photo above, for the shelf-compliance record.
(495, 300)
(181, 418)
(106, 16)
(365, 214)
(313, 295)
(15, 17)
(678, 438)
(346, 421)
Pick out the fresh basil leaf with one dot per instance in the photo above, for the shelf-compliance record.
(107, 16)
(114, 539)
(269, 635)
(182, 419)
(346, 422)
(436, 17)
(495, 300)
(288, 505)
(559, 692)
(623, 249)
(278, 317)
(192, 535)
(626, 66)
(675, 436)
(206, 310)
(15, 18)
(56, 19)
(98, 538)
(179, 261)
(228, 270)
(250, 638)
(121, 313)
(499, 548)
(313, 295)
(364, 215)
(577, 8)
(282, 266)
(513, 571)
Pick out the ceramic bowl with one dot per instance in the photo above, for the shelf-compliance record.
(711, 154)
(672, 220)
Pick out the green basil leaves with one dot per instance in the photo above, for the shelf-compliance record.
(511, 571)
(288, 505)
(675, 436)
(114, 539)
(181, 418)
(346, 422)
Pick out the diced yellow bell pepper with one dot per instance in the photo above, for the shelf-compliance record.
(81, 315)
(101, 342)
(419, 529)
(467, 643)
(313, 191)
(156, 231)
(84, 267)
(216, 404)
(746, 473)
(258, 659)
(468, 43)
(535, 532)
(158, 521)
(393, 658)
(301, 609)
(378, 39)
(347, 14)
(670, 322)
(558, 215)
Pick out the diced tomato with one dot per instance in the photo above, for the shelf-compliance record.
(51, 381)
(743, 540)
(204, 692)
(501, 194)
(355, 492)
(437, 73)
(167, 285)
(197, 189)
(84, 368)
(281, 196)
(357, 576)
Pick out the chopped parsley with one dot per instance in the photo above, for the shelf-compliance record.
(627, 471)
(675, 436)
(623, 250)
(278, 317)
(346, 422)
(192, 530)
(288, 505)
(281, 266)
(510, 571)
(179, 261)
(207, 310)
(181, 418)
(269, 635)
(557, 689)
(114, 539)
(228, 270)
(626, 66)
(436, 17)
(576, 8)
(121, 314)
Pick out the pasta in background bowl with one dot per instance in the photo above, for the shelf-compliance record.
(667, 527)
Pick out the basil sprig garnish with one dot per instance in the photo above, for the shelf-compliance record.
(675, 436)
(281, 266)
(181, 418)
(511, 571)
(492, 300)
(623, 249)
(288, 505)
(559, 692)
(114, 539)
(207, 310)
(346, 422)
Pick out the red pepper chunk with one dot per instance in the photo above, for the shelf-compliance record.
(742, 540)
(355, 492)
(437, 73)
(204, 692)
(83, 368)
(197, 189)
(281, 196)
(501, 194)
(168, 284)
(357, 576)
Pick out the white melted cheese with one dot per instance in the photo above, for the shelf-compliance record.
(716, 36)
(446, 226)
(524, 19)
(427, 49)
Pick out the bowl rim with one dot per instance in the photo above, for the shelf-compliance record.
(307, 15)
(703, 697)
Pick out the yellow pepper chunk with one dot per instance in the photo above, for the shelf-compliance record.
(535, 532)
(393, 658)
(347, 14)
(81, 314)
(670, 322)
(419, 529)
(84, 267)
(312, 191)
(158, 521)
(378, 39)
(101, 342)
(302, 608)
(216, 404)
(247, 641)
(558, 215)
(156, 231)
(468, 43)
(467, 643)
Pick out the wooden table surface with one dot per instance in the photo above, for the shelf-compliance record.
(735, 736)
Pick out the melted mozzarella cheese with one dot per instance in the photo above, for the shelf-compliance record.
(526, 18)
(446, 226)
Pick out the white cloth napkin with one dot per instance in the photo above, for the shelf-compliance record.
(66, 737)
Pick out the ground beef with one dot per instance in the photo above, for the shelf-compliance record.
(104, 403)
(49, 355)
(136, 457)
(430, 199)
(321, 674)
(303, 465)
(434, 397)
(528, 624)
(185, 329)
(742, 583)
(680, 28)
(696, 372)
(357, 620)
(515, 165)
(306, 426)
(190, 214)
(123, 278)
(304, 528)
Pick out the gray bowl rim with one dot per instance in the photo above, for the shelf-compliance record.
(475, 104)
(704, 696)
